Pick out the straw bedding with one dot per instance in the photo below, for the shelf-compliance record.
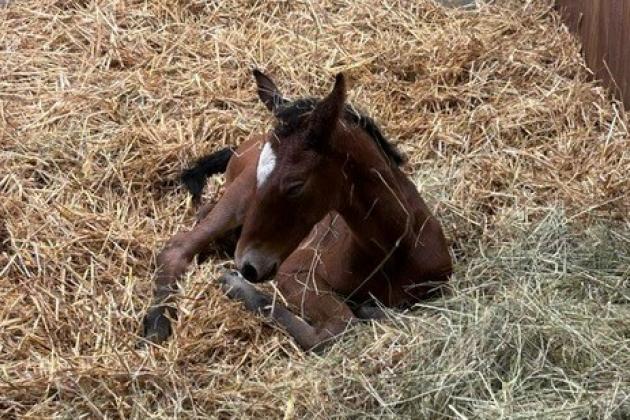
(525, 161)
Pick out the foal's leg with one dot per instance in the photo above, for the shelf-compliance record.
(204, 210)
(225, 244)
(179, 251)
(330, 314)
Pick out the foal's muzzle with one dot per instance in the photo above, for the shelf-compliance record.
(257, 267)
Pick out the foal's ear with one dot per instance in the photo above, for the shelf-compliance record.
(268, 92)
(326, 114)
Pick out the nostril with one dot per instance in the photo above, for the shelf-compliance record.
(249, 272)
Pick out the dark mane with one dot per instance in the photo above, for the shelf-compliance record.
(291, 115)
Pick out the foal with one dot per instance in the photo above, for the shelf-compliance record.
(321, 206)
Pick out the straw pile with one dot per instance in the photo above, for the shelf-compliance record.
(525, 161)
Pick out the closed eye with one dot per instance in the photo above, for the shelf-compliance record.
(295, 189)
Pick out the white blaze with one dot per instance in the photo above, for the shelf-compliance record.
(266, 164)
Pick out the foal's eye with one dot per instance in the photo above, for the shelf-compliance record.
(295, 189)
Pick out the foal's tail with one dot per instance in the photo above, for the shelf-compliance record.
(194, 178)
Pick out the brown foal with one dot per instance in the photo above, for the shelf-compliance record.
(321, 206)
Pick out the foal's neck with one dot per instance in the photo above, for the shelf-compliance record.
(376, 203)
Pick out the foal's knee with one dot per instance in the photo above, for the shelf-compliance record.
(171, 259)
(172, 262)
(175, 249)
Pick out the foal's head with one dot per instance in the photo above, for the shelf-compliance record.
(299, 179)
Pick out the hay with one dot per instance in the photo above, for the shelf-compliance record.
(102, 103)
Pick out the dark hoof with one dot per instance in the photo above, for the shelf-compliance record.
(157, 325)
(236, 287)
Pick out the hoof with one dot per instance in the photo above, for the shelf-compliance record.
(156, 325)
(236, 287)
